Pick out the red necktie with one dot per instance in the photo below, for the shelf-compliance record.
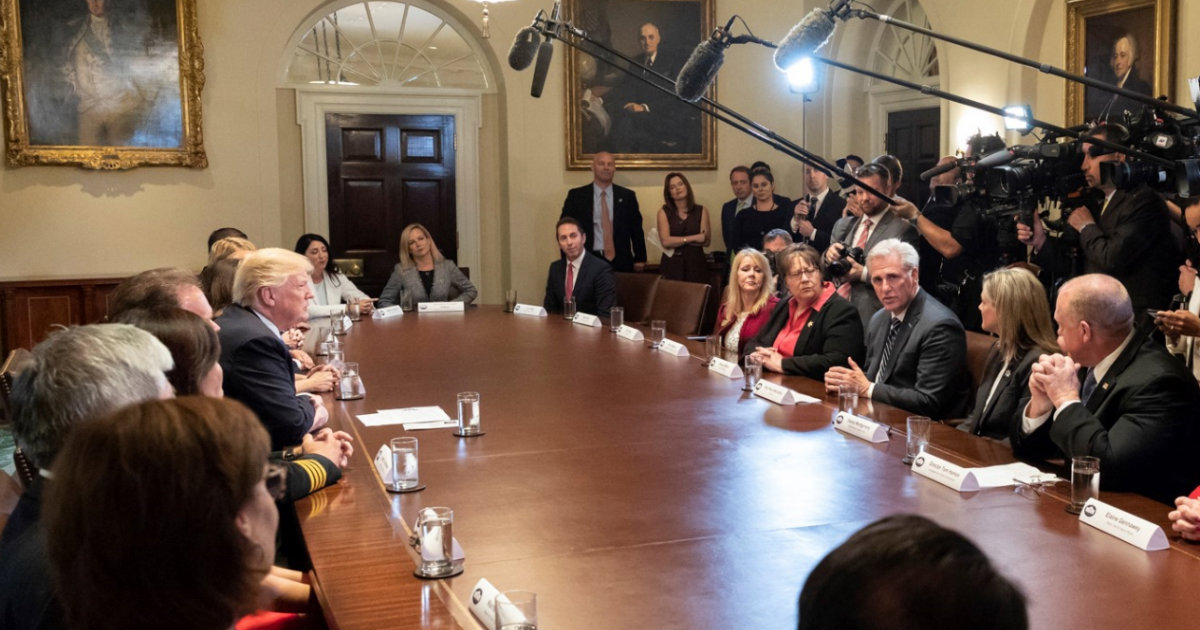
(570, 280)
(865, 234)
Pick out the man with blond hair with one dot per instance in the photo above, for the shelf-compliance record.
(270, 294)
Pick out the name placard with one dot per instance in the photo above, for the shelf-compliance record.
(442, 307)
(1134, 530)
(725, 368)
(673, 348)
(587, 319)
(383, 463)
(387, 312)
(529, 310)
(346, 322)
(630, 333)
(858, 426)
(945, 473)
(779, 394)
(483, 598)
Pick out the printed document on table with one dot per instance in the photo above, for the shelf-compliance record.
(1003, 475)
(432, 417)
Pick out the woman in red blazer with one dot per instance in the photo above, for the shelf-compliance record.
(748, 301)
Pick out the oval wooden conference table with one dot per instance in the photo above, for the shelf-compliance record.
(633, 489)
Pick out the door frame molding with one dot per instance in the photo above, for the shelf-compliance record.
(464, 105)
(885, 99)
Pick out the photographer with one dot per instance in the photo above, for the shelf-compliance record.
(1128, 236)
(959, 242)
(869, 223)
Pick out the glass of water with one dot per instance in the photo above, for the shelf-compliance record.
(752, 371)
(405, 474)
(351, 385)
(1085, 481)
(918, 437)
(436, 530)
(847, 397)
(510, 300)
(569, 308)
(616, 318)
(712, 347)
(658, 330)
(468, 414)
(516, 610)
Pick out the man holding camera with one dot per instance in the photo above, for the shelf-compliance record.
(1127, 237)
(869, 223)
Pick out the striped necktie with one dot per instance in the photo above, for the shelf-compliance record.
(887, 346)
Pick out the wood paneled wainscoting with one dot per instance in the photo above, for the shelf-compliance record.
(31, 308)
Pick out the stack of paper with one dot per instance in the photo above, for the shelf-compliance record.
(412, 418)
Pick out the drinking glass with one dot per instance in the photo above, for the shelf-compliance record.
(354, 310)
(847, 397)
(751, 371)
(510, 300)
(436, 530)
(336, 357)
(569, 308)
(468, 413)
(712, 347)
(407, 304)
(658, 330)
(1085, 481)
(516, 610)
(405, 475)
(616, 318)
(918, 437)
(351, 385)
(338, 323)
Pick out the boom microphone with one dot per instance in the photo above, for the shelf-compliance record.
(805, 38)
(544, 53)
(1003, 156)
(524, 47)
(701, 68)
(938, 170)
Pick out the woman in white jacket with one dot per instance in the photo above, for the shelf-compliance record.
(329, 286)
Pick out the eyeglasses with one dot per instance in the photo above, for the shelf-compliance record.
(1035, 486)
(276, 480)
(794, 275)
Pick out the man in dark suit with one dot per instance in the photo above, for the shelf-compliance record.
(817, 211)
(1134, 406)
(916, 348)
(602, 204)
(739, 182)
(1129, 236)
(870, 224)
(591, 281)
(645, 118)
(271, 295)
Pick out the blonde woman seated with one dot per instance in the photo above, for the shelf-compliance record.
(423, 275)
(1014, 308)
(815, 328)
(748, 301)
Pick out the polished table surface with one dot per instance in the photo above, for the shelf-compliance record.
(629, 488)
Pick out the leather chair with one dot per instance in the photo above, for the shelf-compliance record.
(978, 347)
(635, 293)
(16, 361)
(681, 305)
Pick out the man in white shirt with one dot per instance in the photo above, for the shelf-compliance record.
(1115, 395)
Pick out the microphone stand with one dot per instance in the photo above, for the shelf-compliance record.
(1061, 131)
(1045, 68)
(556, 29)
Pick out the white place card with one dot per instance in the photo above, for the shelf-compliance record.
(347, 322)
(482, 604)
(779, 394)
(441, 307)
(859, 427)
(728, 369)
(673, 348)
(630, 333)
(387, 312)
(383, 464)
(945, 473)
(587, 319)
(1132, 529)
(529, 310)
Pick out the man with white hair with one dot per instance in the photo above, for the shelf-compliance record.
(916, 348)
(1116, 395)
(76, 375)
(270, 294)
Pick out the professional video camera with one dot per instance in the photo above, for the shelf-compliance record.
(1159, 135)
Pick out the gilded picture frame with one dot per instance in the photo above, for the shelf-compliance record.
(1126, 42)
(102, 84)
(608, 110)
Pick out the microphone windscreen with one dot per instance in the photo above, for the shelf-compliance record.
(698, 73)
(524, 47)
(805, 38)
(938, 170)
(996, 159)
(544, 53)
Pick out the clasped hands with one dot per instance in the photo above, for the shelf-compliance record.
(1053, 381)
(336, 446)
(838, 375)
(1179, 322)
(800, 218)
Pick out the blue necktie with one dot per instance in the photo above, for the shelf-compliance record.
(1089, 385)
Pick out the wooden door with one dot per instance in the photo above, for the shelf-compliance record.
(914, 136)
(385, 172)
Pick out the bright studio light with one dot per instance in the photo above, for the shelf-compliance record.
(802, 76)
(1016, 118)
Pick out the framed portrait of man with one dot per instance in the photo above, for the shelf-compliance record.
(103, 84)
(607, 109)
(1125, 43)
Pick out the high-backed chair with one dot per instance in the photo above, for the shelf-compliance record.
(681, 305)
(16, 361)
(635, 293)
(978, 347)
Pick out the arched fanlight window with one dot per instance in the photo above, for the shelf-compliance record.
(904, 54)
(385, 44)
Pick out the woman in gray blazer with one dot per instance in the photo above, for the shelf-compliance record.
(423, 274)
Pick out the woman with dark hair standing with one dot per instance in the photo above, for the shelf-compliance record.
(684, 227)
(329, 286)
(424, 275)
(179, 530)
(763, 215)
